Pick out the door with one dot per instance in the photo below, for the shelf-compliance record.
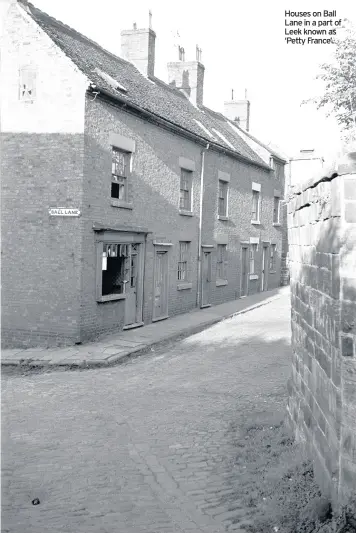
(264, 276)
(160, 305)
(206, 279)
(131, 284)
(244, 271)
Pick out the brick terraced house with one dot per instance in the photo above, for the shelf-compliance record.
(124, 199)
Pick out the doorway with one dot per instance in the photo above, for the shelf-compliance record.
(265, 269)
(133, 307)
(244, 271)
(206, 279)
(160, 286)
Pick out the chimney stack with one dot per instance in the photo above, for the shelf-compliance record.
(238, 111)
(188, 76)
(138, 47)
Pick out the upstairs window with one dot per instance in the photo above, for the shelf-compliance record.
(256, 206)
(276, 210)
(185, 196)
(278, 170)
(222, 206)
(119, 174)
(27, 84)
(221, 262)
(253, 257)
(183, 261)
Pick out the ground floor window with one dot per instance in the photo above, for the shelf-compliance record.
(253, 255)
(183, 261)
(273, 257)
(115, 268)
(221, 263)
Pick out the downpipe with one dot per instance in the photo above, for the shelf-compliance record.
(201, 223)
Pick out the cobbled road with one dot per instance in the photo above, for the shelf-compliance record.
(149, 446)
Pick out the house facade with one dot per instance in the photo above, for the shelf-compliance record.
(124, 199)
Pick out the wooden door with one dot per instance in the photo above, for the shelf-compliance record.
(131, 284)
(264, 272)
(206, 279)
(160, 307)
(244, 271)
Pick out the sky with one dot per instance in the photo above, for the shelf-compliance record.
(243, 47)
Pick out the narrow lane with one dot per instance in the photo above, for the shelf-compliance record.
(150, 446)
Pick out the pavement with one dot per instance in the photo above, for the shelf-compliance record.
(164, 443)
(116, 348)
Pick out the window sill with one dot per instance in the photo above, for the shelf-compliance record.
(186, 213)
(120, 203)
(184, 286)
(255, 222)
(111, 297)
(277, 224)
(221, 282)
(253, 276)
(272, 272)
(222, 217)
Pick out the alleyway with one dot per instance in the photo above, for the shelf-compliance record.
(155, 445)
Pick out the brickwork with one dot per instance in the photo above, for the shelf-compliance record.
(42, 145)
(56, 152)
(322, 253)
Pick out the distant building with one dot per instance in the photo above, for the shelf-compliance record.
(124, 199)
(305, 164)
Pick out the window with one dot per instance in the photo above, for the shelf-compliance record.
(273, 257)
(115, 268)
(256, 206)
(222, 207)
(276, 210)
(221, 263)
(185, 198)
(253, 253)
(278, 170)
(27, 84)
(183, 261)
(120, 173)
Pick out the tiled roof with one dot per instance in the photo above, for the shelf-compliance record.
(153, 95)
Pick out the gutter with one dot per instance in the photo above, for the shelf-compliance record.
(180, 130)
(199, 280)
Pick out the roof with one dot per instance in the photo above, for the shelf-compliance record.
(271, 149)
(151, 95)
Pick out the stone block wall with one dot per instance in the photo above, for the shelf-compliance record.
(322, 388)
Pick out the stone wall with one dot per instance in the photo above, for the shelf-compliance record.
(322, 389)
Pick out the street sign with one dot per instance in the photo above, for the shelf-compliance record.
(63, 212)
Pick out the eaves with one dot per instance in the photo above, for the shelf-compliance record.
(154, 118)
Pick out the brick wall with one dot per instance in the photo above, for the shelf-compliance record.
(322, 389)
(42, 145)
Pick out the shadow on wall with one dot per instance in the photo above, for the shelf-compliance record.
(322, 395)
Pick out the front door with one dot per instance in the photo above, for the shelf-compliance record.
(206, 279)
(160, 304)
(264, 277)
(244, 271)
(131, 284)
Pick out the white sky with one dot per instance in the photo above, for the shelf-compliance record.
(243, 47)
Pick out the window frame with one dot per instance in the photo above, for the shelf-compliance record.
(184, 258)
(223, 186)
(221, 263)
(126, 176)
(253, 258)
(32, 74)
(257, 220)
(186, 175)
(273, 258)
(276, 219)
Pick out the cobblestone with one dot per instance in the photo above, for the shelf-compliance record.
(150, 446)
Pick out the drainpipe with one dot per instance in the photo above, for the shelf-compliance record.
(201, 221)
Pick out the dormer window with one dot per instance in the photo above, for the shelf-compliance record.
(27, 84)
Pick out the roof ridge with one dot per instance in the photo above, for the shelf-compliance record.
(76, 32)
